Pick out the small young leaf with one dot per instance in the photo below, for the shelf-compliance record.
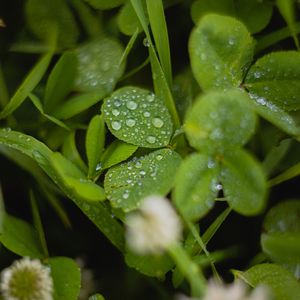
(94, 143)
(279, 280)
(196, 186)
(105, 4)
(220, 120)
(27, 86)
(128, 21)
(77, 104)
(66, 278)
(275, 79)
(127, 184)
(244, 182)
(60, 81)
(43, 16)
(138, 117)
(115, 153)
(221, 49)
(20, 237)
(75, 180)
(98, 65)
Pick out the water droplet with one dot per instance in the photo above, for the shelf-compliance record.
(125, 195)
(151, 139)
(116, 125)
(211, 164)
(130, 122)
(131, 105)
(157, 122)
(219, 187)
(143, 172)
(138, 164)
(99, 167)
(147, 114)
(146, 42)
(115, 112)
(257, 74)
(231, 41)
(151, 97)
(117, 103)
(159, 157)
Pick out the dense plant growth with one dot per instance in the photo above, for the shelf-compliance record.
(173, 127)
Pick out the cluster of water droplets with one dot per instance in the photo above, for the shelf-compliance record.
(98, 65)
(138, 117)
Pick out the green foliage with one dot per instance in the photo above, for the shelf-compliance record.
(104, 4)
(66, 278)
(280, 281)
(221, 49)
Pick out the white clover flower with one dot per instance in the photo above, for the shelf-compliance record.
(26, 279)
(154, 227)
(234, 291)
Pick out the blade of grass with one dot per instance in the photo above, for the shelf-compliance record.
(137, 69)
(129, 46)
(27, 86)
(160, 34)
(286, 175)
(275, 37)
(38, 224)
(287, 10)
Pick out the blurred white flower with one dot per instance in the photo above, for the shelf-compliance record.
(26, 279)
(153, 227)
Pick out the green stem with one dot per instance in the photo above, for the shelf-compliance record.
(189, 269)
(4, 97)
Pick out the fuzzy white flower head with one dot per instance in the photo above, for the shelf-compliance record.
(154, 227)
(234, 291)
(26, 279)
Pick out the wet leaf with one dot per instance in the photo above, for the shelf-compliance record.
(127, 184)
(279, 280)
(244, 182)
(196, 186)
(221, 50)
(98, 65)
(220, 120)
(138, 117)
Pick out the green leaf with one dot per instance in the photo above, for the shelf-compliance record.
(60, 81)
(27, 86)
(153, 266)
(244, 182)
(220, 120)
(128, 21)
(221, 50)
(283, 217)
(138, 117)
(20, 237)
(279, 280)
(196, 186)
(75, 180)
(94, 144)
(127, 184)
(104, 4)
(43, 17)
(115, 153)
(254, 14)
(98, 65)
(275, 79)
(287, 9)
(77, 104)
(66, 278)
(95, 211)
(282, 247)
